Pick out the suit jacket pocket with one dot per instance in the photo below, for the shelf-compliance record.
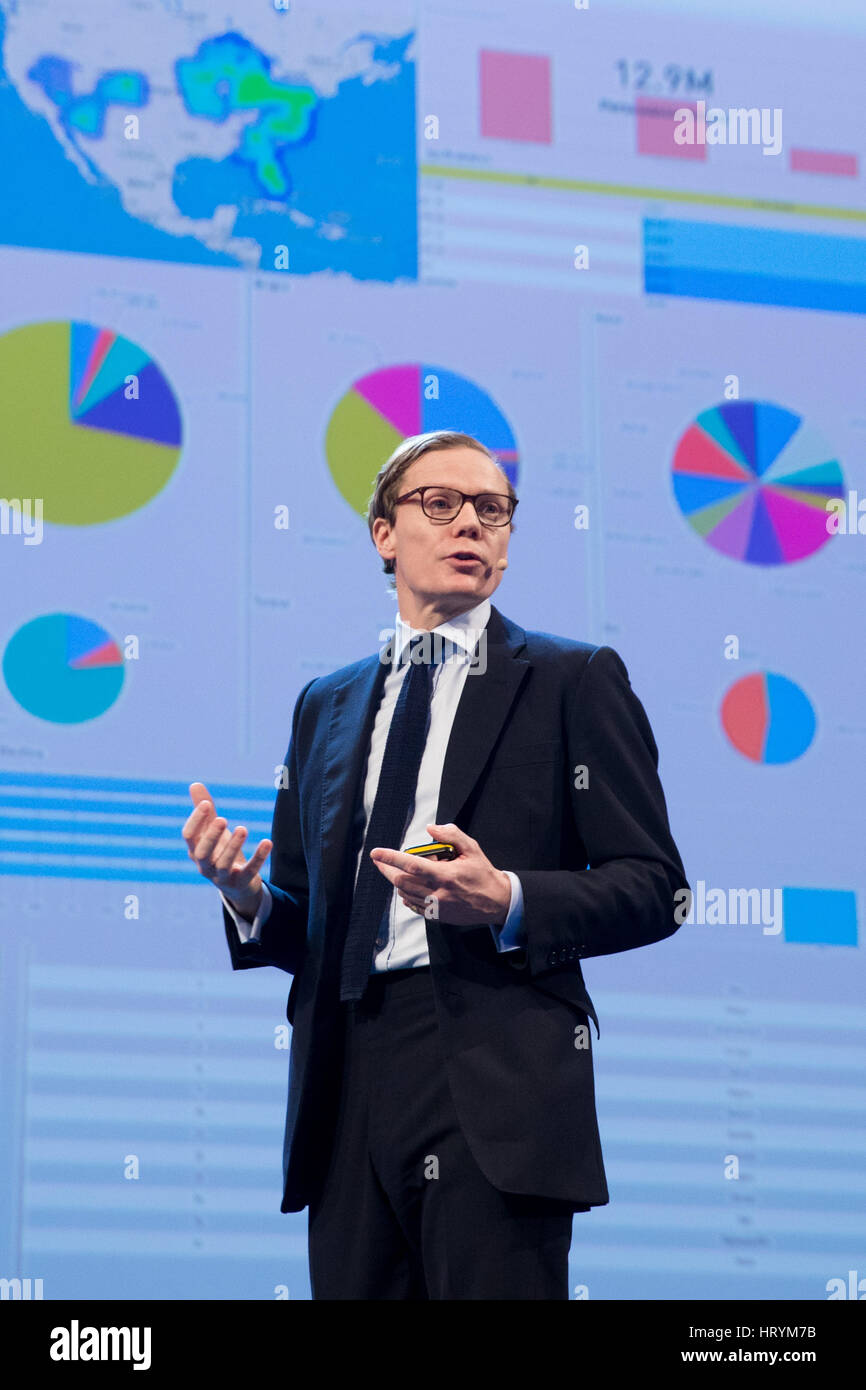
(526, 754)
(570, 988)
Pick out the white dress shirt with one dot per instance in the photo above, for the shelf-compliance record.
(405, 942)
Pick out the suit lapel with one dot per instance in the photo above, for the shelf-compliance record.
(350, 728)
(487, 697)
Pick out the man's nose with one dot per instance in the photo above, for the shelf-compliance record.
(467, 516)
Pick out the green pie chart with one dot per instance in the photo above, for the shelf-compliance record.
(88, 422)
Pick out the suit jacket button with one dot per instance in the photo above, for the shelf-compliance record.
(551, 959)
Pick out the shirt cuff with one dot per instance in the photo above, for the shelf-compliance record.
(250, 931)
(511, 936)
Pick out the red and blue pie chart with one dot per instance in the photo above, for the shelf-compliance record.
(63, 668)
(754, 479)
(768, 718)
(386, 406)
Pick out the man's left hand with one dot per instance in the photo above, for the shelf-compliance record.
(466, 891)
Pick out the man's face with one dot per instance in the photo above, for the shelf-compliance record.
(451, 565)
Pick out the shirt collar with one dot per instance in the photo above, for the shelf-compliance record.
(463, 630)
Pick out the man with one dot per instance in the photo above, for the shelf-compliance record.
(441, 1120)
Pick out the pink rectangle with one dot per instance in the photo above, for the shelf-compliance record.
(824, 162)
(655, 126)
(515, 96)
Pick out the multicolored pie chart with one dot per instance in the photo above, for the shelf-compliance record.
(768, 718)
(384, 407)
(88, 422)
(753, 480)
(63, 668)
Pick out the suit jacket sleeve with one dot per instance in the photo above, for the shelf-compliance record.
(625, 897)
(283, 937)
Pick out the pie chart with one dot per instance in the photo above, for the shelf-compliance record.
(88, 422)
(384, 407)
(754, 480)
(63, 668)
(768, 718)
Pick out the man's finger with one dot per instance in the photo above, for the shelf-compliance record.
(196, 820)
(262, 850)
(226, 852)
(451, 834)
(422, 868)
(199, 792)
(209, 837)
(243, 872)
(406, 871)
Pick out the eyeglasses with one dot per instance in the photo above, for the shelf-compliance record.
(444, 503)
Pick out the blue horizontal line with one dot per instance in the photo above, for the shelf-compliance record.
(787, 292)
(169, 1173)
(124, 784)
(95, 827)
(93, 871)
(37, 847)
(715, 246)
(153, 1130)
(132, 807)
(177, 1218)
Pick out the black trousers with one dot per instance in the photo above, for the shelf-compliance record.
(404, 1211)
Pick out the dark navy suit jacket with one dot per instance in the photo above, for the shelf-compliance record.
(599, 871)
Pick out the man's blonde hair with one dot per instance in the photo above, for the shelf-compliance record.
(387, 486)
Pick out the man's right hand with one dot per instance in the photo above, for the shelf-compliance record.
(218, 853)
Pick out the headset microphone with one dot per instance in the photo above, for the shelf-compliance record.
(502, 564)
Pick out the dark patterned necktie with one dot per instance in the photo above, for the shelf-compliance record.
(395, 795)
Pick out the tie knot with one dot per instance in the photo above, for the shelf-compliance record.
(428, 649)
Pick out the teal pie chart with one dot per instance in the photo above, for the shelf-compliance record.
(63, 668)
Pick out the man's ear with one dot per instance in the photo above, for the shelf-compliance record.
(384, 533)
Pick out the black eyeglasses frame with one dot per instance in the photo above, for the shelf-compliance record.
(465, 497)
